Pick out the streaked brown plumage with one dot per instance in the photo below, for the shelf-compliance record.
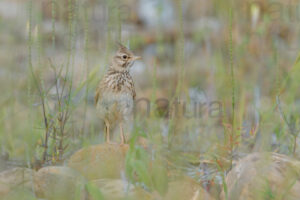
(115, 93)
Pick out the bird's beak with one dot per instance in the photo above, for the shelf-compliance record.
(136, 58)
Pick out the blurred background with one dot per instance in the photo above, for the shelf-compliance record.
(232, 66)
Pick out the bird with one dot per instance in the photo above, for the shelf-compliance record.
(115, 94)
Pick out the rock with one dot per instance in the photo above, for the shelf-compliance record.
(4, 189)
(100, 161)
(20, 193)
(264, 176)
(186, 189)
(14, 179)
(115, 189)
(58, 183)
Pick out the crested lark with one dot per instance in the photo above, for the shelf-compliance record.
(115, 93)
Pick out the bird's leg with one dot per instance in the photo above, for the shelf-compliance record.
(107, 131)
(122, 134)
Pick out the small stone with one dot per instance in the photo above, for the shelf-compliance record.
(4, 189)
(58, 183)
(15, 178)
(100, 161)
(186, 188)
(115, 189)
(20, 194)
(264, 176)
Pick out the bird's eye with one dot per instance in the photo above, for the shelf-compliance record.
(125, 57)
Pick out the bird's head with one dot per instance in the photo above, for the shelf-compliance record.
(123, 59)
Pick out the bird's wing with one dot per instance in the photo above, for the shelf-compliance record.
(99, 91)
(131, 87)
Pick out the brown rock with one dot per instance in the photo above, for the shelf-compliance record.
(4, 189)
(100, 161)
(264, 176)
(115, 189)
(58, 183)
(14, 179)
(19, 194)
(186, 189)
